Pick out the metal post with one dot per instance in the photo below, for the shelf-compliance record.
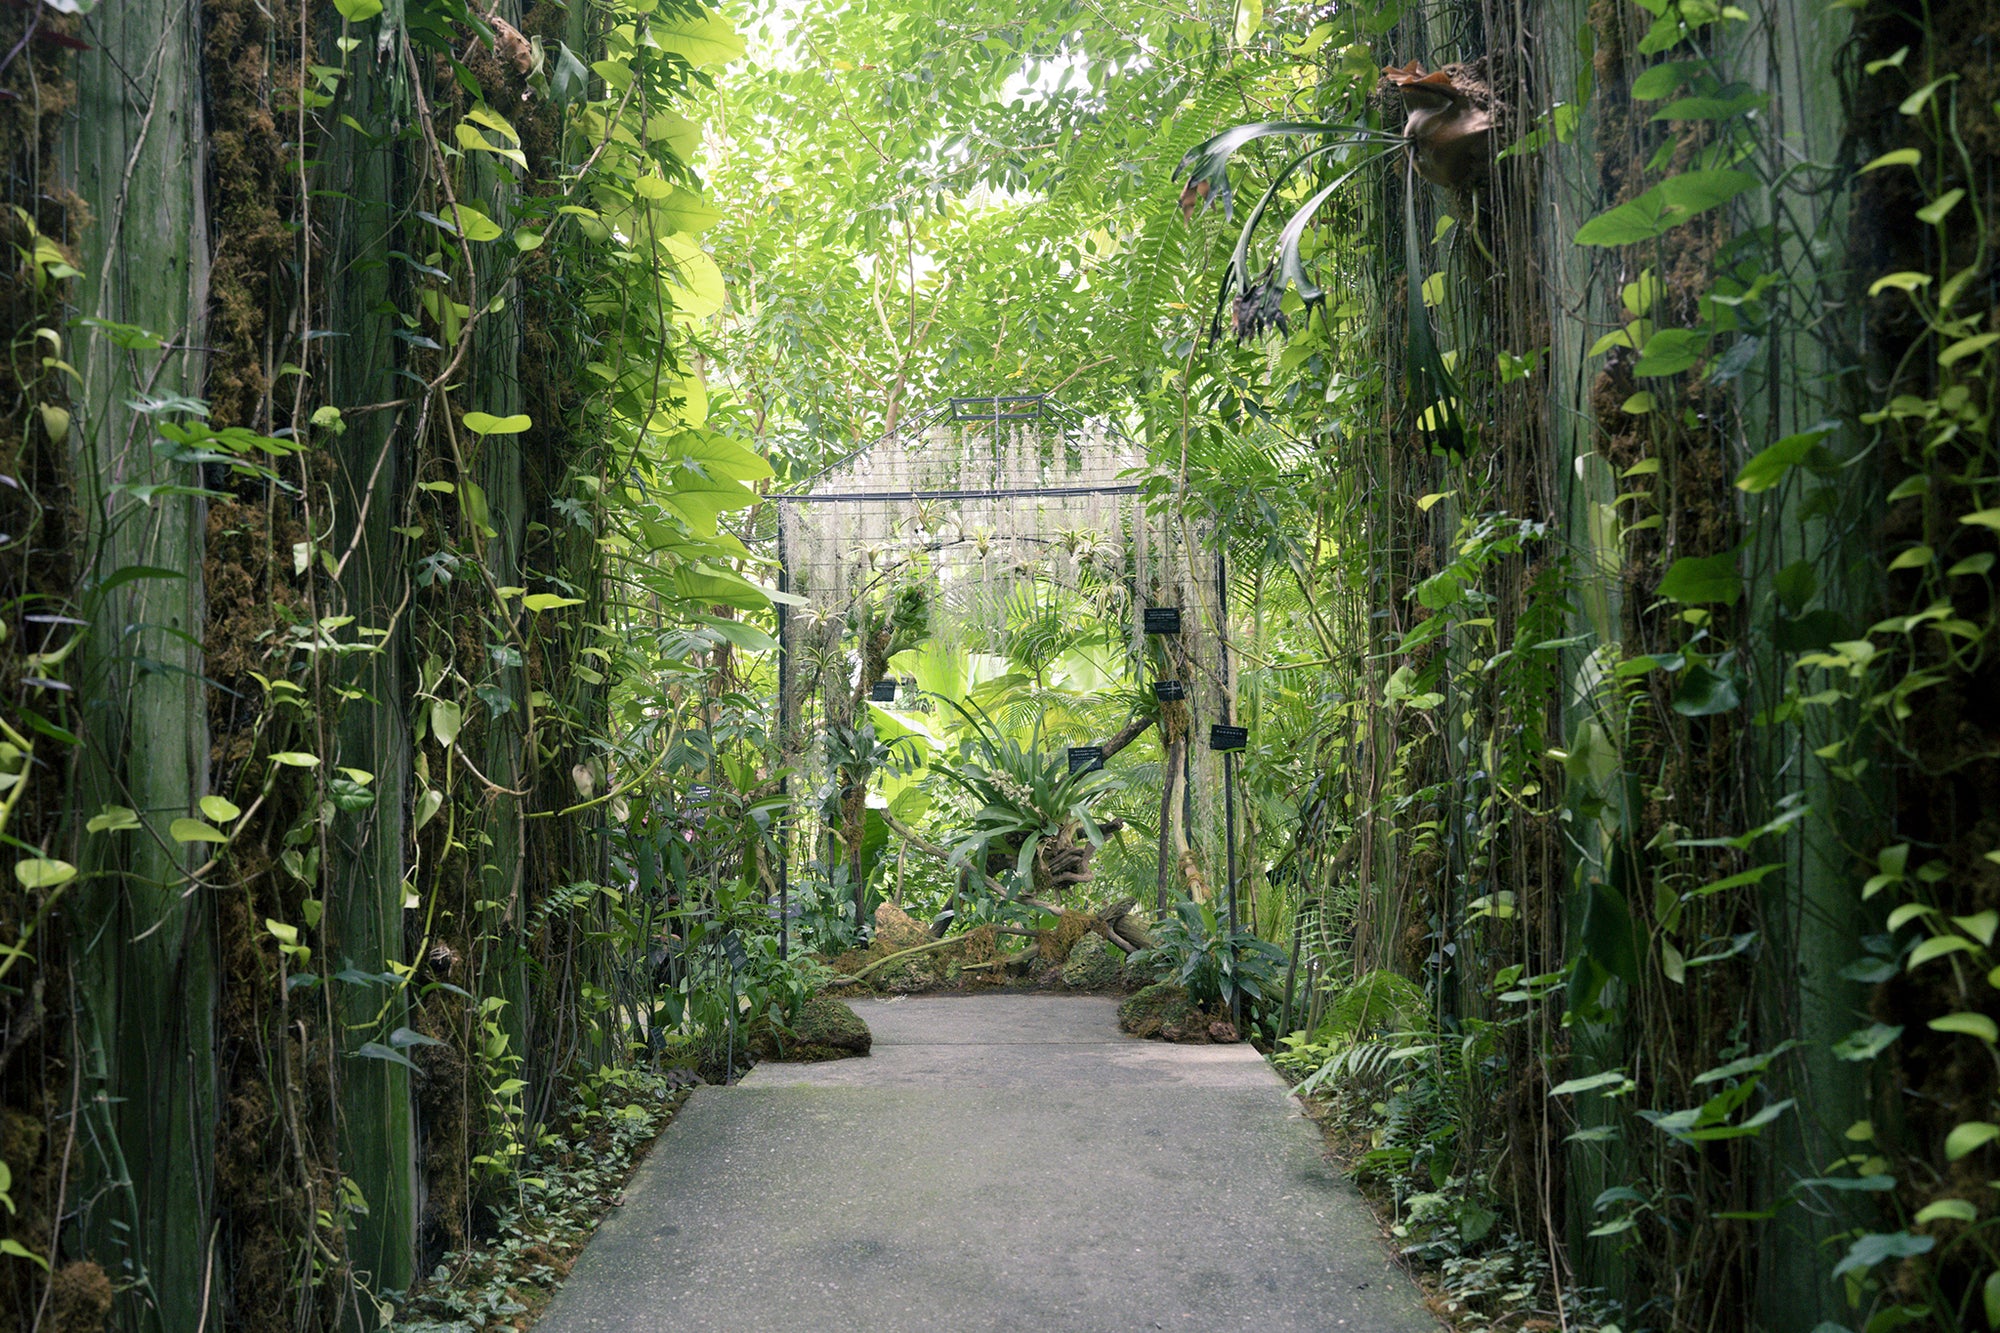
(1229, 827)
(784, 747)
(1228, 756)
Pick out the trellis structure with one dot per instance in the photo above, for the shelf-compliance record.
(990, 505)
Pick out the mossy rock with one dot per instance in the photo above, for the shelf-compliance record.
(920, 973)
(1136, 977)
(1093, 965)
(825, 1029)
(1163, 1010)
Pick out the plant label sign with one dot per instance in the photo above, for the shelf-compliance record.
(1167, 690)
(1086, 758)
(882, 691)
(1228, 738)
(1162, 619)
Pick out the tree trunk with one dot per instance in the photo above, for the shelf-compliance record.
(365, 863)
(144, 944)
(496, 371)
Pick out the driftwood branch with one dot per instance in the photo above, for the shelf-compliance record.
(1138, 725)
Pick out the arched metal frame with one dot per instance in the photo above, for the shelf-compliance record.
(960, 492)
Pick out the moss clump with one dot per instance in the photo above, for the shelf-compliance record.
(896, 930)
(1093, 965)
(1163, 1010)
(79, 1299)
(825, 1029)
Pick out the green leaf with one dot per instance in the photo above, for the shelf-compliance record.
(1908, 280)
(295, 759)
(358, 11)
(1704, 693)
(1965, 347)
(1588, 1083)
(375, 1050)
(1969, 1137)
(1901, 157)
(1664, 207)
(1937, 947)
(1662, 80)
(42, 872)
(703, 37)
(427, 807)
(1703, 580)
(1918, 100)
(1947, 1210)
(219, 808)
(548, 601)
(446, 717)
(1938, 209)
(1866, 1043)
(17, 1250)
(193, 830)
(1711, 108)
(1770, 465)
(112, 819)
(1671, 351)
(485, 423)
(1879, 1247)
(1968, 1024)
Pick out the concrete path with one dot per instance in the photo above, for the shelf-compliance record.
(999, 1162)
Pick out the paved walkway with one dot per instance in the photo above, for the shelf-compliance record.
(999, 1162)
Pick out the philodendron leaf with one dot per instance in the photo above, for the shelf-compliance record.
(194, 830)
(485, 423)
(1664, 207)
(1703, 693)
(1701, 580)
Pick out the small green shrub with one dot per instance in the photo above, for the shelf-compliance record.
(1216, 966)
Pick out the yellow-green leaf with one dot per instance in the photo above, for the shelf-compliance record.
(1947, 1210)
(1981, 927)
(1969, 1137)
(1965, 347)
(475, 225)
(193, 830)
(1905, 281)
(1937, 947)
(485, 423)
(702, 37)
(219, 808)
(1970, 1025)
(1914, 558)
(42, 872)
(295, 759)
(112, 819)
(1902, 157)
(548, 601)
